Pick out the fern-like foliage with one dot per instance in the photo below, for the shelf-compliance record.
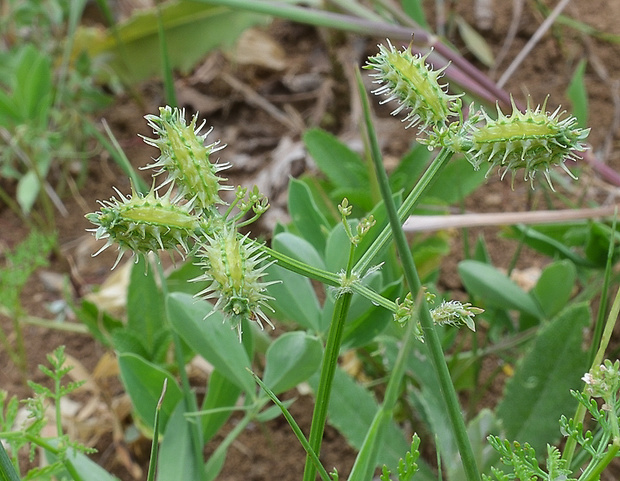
(406, 467)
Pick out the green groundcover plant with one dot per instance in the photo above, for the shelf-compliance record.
(375, 297)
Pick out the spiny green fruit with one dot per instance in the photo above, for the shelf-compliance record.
(234, 267)
(533, 140)
(142, 224)
(408, 79)
(186, 158)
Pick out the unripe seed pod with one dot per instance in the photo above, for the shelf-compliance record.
(533, 140)
(143, 224)
(234, 268)
(408, 79)
(186, 158)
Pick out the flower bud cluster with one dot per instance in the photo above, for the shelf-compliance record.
(451, 313)
(603, 381)
(232, 264)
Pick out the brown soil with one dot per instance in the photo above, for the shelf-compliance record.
(269, 452)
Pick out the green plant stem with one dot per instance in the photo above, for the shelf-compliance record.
(322, 18)
(367, 455)
(406, 208)
(188, 395)
(571, 443)
(611, 453)
(598, 327)
(54, 450)
(302, 268)
(294, 426)
(328, 369)
(411, 275)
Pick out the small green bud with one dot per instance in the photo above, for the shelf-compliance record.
(603, 380)
(455, 313)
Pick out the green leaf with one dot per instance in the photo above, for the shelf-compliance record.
(33, 85)
(192, 30)
(145, 307)
(221, 393)
(343, 167)
(176, 455)
(554, 288)
(597, 243)
(455, 182)
(291, 359)
(179, 279)
(539, 392)
(7, 470)
(294, 298)
(84, 466)
(578, 94)
(338, 246)
(409, 169)
(546, 244)
(28, 188)
(297, 248)
(494, 288)
(210, 337)
(414, 9)
(143, 382)
(306, 216)
(99, 323)
(475, 42)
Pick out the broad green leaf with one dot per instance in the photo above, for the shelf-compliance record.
(578, 94)
(192, 30)
(409, 169)
(290, 360)
(143, 382)
(145, 306)
(176, 455)
(126, 341)
(306, 216)
(342, 166)
(539, 392)
(338, 247)
(495, 288)
(297, 248)
(221, 393)
(210, 337)
(554, 288)
(180, 280)
(294, 298)
(455, 182)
